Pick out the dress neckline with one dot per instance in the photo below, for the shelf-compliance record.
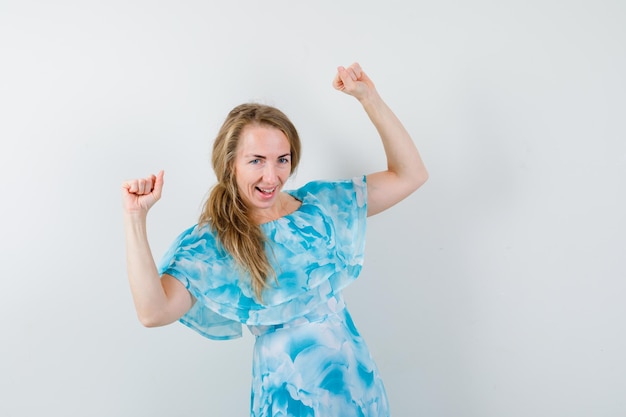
(296, 201)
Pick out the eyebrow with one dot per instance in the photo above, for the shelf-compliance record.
(264, 157)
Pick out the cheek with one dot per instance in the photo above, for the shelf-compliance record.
(238, 175)
(244, 176)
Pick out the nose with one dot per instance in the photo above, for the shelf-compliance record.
(269, 173)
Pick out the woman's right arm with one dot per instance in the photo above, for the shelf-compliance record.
(158, 300)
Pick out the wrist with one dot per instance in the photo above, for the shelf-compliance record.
(371, 98)
(135, 217)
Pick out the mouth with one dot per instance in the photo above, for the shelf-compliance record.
(266, 191)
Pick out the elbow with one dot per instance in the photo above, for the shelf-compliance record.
(419, 178)
(423, 177)
(150, 320)
(149, 323)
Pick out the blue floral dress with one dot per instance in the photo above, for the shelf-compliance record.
(308, 359)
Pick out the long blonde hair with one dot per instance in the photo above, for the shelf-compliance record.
(225, 211)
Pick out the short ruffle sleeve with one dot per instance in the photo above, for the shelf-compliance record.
(316, 251)
(189, 259)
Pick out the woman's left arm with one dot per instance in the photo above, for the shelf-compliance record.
(405, 171)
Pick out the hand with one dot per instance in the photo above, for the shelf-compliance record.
(139, 195)
(353, 81)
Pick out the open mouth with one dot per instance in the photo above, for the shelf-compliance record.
(266, 191)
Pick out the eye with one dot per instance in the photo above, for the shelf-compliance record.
(283, 160)
(255, 161)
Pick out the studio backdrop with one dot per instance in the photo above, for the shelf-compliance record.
(496, 290)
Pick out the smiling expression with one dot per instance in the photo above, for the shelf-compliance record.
(262, 166)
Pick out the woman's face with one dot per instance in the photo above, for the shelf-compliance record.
(262, 166)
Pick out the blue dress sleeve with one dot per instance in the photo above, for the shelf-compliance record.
(350, 218)
(344, 206)
(189, 260)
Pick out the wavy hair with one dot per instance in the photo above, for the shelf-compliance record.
(225, 210)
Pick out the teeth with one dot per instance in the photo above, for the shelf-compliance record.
(267, 191)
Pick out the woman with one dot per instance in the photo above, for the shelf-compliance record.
(276, 260)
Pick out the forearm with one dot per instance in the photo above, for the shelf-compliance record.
(145, 284)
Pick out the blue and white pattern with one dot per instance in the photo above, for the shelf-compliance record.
(309, 359)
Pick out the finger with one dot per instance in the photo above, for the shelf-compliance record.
(158, 184)
(127, 187)
(141, 186)
(131, 186)
(150, 183)
(352, 72)
(145, 185)
(356, 70)
(346, 78)
(337, 82)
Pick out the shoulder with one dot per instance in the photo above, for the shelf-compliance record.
(196, 232)
(197, 240)
(192, 252)
(353, 189)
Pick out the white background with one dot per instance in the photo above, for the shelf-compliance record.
(496, 290)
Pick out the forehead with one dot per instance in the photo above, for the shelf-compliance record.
(262, 140)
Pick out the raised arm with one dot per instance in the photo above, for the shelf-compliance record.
(158, 300)
(405, 171)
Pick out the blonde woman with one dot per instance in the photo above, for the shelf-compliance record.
(277, 260)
